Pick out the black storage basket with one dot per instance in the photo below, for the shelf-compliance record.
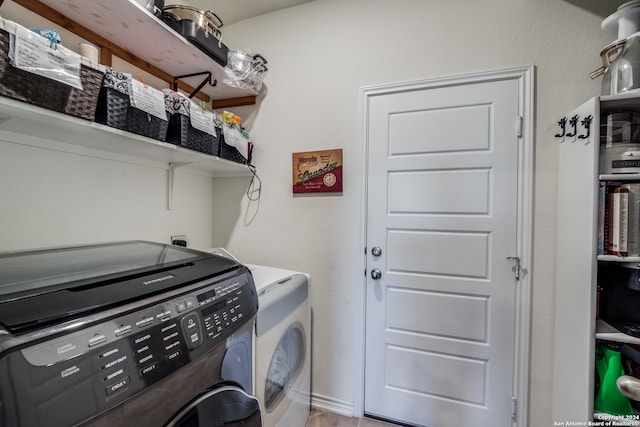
(112, 107)
(142, 123)
(115, 109)
(182, 133)
(230, 152)
(47, 93)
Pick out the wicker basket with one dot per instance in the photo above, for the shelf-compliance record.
(180, 130)
(115, 109)
(229, 152)
(181, 133)
(41, 91)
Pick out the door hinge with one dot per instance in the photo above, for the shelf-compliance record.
(519, 126)
(516, 265)
(514, 407)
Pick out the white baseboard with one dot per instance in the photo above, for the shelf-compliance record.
(332, 405)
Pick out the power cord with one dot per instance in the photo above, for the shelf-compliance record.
(255, 186)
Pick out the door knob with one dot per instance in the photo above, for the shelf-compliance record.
(376, 274)
(376, 251)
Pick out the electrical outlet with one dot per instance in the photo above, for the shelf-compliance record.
(179, 240)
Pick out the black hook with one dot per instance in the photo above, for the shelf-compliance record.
(563, 124)
(208, 80)
(586, 122)
(574, 123)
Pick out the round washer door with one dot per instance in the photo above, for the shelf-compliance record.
(225, 406)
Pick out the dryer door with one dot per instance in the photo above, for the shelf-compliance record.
(286, 364)
(224, 406)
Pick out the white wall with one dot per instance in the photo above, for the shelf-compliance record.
(51, 198)
(320, 55)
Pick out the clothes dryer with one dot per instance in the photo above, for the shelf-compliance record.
(282, 346)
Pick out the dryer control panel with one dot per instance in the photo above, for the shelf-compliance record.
(97, 367)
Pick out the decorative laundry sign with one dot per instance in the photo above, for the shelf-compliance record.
(317, 172)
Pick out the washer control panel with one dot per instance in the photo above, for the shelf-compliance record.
(122, 356)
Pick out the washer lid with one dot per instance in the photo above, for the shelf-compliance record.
(42, 286)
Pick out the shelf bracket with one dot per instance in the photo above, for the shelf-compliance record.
(172, 169)
(208, 80)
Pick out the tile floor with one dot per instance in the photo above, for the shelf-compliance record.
(319, 418)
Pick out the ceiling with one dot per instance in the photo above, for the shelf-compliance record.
(231, 11)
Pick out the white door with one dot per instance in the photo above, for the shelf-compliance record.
(442, 198)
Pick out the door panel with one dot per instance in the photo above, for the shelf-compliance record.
(439, 192)
(431, 374)
(442, 204)
(407, 249)
(443, 127)
(437, 318)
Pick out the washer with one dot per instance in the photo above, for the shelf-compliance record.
(282, 346)
(126, 334)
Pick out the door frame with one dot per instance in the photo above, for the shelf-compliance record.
(524, 234)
